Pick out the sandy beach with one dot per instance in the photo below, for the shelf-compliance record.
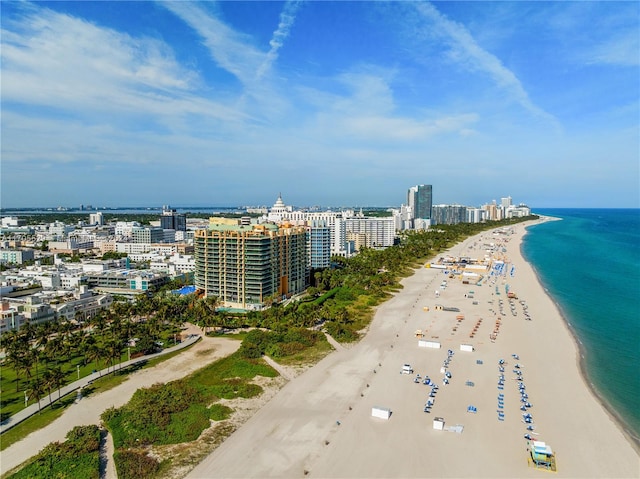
(320, 423)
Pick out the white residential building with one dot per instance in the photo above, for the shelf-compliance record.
(174, 265)
(125, 228)
(85, 305)
(10, 317)
(96, 219)
(380, 232)
(334, 220)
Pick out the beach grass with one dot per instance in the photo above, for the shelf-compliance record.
(78, 456)
(179, 411)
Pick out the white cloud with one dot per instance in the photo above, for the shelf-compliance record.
(622, 49)
(366, 111)
(231, 50)
(287, 18)
(465, 51)
(237, 53)
(68, 67)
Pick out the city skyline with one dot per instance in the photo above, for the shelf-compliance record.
(336, 103)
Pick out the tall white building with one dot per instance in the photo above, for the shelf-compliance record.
(96, 219)
(379, 232)
(505, 202)
(319, 245)
(334, 220)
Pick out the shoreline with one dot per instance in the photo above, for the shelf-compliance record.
(320, 424)
(581, 351)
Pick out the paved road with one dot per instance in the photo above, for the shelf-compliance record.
(29, 411)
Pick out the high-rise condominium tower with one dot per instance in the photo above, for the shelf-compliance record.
(420, 199)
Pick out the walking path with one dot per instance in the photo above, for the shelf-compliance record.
(282, 370)
(107, 465)
(336, 345)
(89, 409)
(29, 411)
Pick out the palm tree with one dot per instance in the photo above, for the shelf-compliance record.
(36, 390)
(28, 330)
(54, 348)
(75, 341)
(26, 363)
(95, 353)
(98, 322)
(87, 342)
(42, 334)
(48, 382)
(121, 308)
(16, 346)
(57, 377)
(113, 350)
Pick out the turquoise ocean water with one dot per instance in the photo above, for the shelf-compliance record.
(590, 265)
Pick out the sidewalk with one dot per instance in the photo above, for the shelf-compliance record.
(29, 411)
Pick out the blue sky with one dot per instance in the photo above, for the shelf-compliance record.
(330, 103)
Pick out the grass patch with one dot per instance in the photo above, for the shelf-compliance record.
(219, 412)
(310, 355)
(221, 333)
(178, 412)
(232, 366)
(133, 464)
(77, 457)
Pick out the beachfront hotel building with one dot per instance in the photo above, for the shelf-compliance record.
(245, 265)
(420, 202)
(450, 214)
(334, 220)
(319, 245)
(376, 232)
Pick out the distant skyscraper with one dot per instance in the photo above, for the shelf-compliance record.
(420, 199)
(171, 220)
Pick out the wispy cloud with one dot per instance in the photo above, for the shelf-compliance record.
(287, 18)
(367, 112)
(238, 54)
(622, 49)
(60, 63)
(465, 51)
(230, 49)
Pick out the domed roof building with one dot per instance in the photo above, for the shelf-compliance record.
(277, 211)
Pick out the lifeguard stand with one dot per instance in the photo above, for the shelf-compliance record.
(541, 456)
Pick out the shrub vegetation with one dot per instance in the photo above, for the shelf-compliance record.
(77, 457)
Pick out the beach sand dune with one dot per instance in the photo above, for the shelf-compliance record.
(320, 423)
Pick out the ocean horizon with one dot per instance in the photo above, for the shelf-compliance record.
(589, 263)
